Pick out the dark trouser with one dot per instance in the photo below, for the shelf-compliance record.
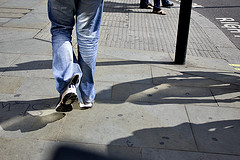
(157, 4)
(143, 3)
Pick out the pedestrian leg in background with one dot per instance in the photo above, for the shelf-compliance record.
(144, 4)
(157, 9)
(166, 3)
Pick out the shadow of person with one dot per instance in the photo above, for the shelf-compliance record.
(28, 116)
(219, 137)
(184, 88)
(67, 152)
(33, 65)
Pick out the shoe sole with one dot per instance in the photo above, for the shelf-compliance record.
(66, 104)
(64, 108)
(69, 98)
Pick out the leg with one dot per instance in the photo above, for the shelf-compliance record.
(61, 15)
(143, 3)
(65, 66)
(166, 3)
(157, 9)
(89, 13)
(156, 5)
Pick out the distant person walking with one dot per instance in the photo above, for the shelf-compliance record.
(74, 77)
(156, 7)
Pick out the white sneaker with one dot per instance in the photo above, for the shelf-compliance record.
(86, 105)
(68, 97)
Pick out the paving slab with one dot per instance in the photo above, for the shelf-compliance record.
(145, 126)
(226, 77)
(103, 86)
(9, 34)
(9, 85)
(6, 60)
(4, 20)
(216, 129)
(104, 152)
(123, 71)
(31, 66)
(38, 87)
(26, 149)
(30, 117)
(210, 63)
(227, 97)
(38, 47)
(20, 4)
(185, 78)
(11, 15)
(160, 154)
(105, 52)
(135, 92)
(14, 10)
(30, 20)
(40, 7)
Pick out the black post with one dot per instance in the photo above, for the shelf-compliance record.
(183, 30)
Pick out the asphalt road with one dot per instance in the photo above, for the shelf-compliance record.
(223, 13)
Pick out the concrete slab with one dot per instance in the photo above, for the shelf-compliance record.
(9, 34)
(40, 7)
(11, 15)
(160, 154)
(162, 94)
(216, 129)
(26, 149)
(176, 78)
(218, 38)
(27, 46)
(109, 70)
(31, 66)
(9, 85)
(4, 20)
(31, 117)
(51, 150)
(76, 150)
(227, 97)
(30, 20)
(45, 34)
(38, 87)
(130, 125)
(105, 52)
(209, 63)
(103, 86)
(6, 60)
(20, 4)
(226, 78)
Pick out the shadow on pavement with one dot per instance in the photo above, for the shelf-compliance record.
(33, 65)
(67, 152)
(213, 137)
(119, 7)
(200, 141)
(28, 116)
(177, 88)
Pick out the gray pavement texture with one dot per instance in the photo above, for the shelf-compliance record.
(146, 107)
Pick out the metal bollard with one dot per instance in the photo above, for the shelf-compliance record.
(183, 30)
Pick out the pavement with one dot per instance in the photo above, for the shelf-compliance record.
(146, 106)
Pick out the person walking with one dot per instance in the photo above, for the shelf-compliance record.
(74, 77)
(144, 4)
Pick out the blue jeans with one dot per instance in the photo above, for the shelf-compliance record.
(65, 65)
